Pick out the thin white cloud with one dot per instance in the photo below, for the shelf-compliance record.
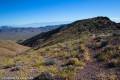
(116, 19)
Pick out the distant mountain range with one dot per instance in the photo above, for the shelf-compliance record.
(42, 24)
(21, 33)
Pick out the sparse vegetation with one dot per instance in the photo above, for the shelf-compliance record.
(63, 52)
(111, 56)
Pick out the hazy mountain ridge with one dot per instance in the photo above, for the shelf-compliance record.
(21, 33)
(45, 24)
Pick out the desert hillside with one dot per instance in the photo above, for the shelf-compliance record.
(86, 49)
(8, 47)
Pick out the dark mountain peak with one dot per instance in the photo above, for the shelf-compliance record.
(95, 20)
(100, 18)
(93, 24)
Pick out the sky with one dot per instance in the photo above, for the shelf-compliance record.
(19, 12)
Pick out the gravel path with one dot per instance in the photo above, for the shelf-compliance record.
(96, 71)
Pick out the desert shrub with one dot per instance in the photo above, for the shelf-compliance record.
(44, 76)
(107, 54)
(37, 65)
(52, 69)
(49, 62)
(2, 73)
(73, 53)
(31, 59)
(47, 49)
(101, 57)
(111, 56)
(68, 73)
(75, 62)
(97, 44)
(7, 63)
(114, 63)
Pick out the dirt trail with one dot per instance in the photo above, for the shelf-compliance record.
(95, 70)
(90, 71)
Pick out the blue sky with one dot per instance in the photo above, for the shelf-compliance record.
(18, 12)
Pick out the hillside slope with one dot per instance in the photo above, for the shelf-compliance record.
(10, 48)
(83, 50)
(95, 25)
